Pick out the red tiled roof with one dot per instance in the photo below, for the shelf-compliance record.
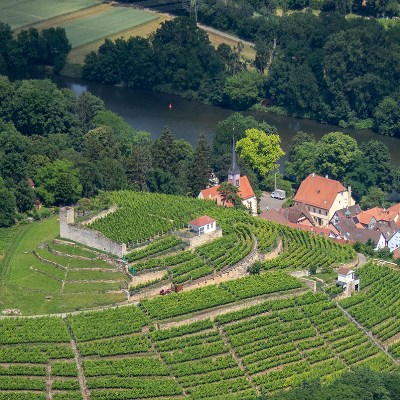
(378, 213)
(274, 215)
(201, 221)
(245, 189)
(395, 208)
(245, 192)
(343, 271)
(318, 191)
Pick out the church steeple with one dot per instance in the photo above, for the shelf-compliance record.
(234, 171)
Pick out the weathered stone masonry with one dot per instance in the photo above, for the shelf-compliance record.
(89, 237)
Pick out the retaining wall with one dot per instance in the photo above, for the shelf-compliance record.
(88, 237)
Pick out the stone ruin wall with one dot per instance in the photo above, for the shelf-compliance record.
(88, 237)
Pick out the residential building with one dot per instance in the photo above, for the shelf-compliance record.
(323, 197)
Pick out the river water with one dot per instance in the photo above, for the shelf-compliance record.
(150, 111)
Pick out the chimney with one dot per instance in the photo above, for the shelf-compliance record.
(326, 176)
(313, 174)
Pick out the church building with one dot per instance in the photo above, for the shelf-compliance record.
(246, 192)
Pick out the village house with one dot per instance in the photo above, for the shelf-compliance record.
(323, 197)
(369, 218)
(245, 192)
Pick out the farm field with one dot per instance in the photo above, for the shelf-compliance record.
(93, 27)
(240, 355)
(77, 55)
(36, 280)
(19, 13)
(377, 306)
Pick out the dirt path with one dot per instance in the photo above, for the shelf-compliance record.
(367, 333)
(81, 377)
(224, 34)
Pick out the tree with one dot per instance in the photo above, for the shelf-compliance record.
(201, 169)
(303, 161)
(375, 198)
(229, 194)
(163, 182)
(387, 117)
(378, 157)
(138, 165)
(243, 89)
(100, 143)
(58, 183)
(25, 197)
(163, 151)
(88, 106)
(7, 206)
(260, 151)
(336, 155)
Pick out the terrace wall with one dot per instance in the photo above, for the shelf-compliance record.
(88, 237)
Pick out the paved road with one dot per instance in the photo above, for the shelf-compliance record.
(268, 203)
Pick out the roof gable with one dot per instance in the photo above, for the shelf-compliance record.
(318, 191)
(201, 221)
(245, 192)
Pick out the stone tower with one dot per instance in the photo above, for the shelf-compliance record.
(234, 171)
(67, 216)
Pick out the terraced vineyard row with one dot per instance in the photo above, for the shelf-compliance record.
(257, 350)
(29, 349)
(377, 306)
(302, 250)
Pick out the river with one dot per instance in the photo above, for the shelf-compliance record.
(150, 111)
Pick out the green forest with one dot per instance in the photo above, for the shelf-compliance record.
(325, 67)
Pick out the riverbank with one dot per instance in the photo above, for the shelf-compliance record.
(149, 111)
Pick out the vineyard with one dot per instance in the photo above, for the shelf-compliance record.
(377, 305)
(243, 354)
(154, 219)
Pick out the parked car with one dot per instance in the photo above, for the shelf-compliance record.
(278, 194)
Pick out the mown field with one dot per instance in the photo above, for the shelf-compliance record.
(258, 350)
(19, 13)
(56, 282)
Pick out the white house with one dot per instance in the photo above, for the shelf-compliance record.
(202, 225)
(347, 276)
(394, 242)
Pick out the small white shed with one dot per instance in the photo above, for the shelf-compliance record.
(202, 225)
(347, 276)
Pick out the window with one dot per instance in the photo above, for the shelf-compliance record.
(314, 209)
(208, 227)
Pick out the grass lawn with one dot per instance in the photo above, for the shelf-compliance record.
(93, 27)
(35, 287)
(19, 13)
